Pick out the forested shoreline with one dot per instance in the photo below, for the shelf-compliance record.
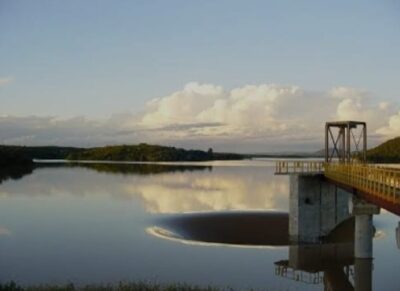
(19, 155)
(387, 152)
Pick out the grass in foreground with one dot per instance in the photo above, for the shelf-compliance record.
(139, 286)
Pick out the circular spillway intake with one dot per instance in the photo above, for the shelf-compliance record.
(250, 228)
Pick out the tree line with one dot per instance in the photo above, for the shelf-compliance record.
(19, 155)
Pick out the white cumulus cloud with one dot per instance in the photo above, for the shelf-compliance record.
(354, 105)
(251, 111)
(392, 129)
(266, 113)
(262, 117)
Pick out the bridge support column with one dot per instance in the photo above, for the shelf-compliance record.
(363, 236)
(364, 229)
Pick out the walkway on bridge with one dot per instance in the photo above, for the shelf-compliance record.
(375, 180)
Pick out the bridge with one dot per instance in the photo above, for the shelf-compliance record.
(324, 195)
(349, 170)
(375, 183)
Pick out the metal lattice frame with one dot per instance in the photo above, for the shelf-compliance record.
(345, 145)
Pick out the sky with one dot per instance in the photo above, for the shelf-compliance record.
(244, 76)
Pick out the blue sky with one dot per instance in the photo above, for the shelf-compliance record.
(98, 58)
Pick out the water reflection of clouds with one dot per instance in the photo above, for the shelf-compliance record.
(190, 193)
(222, 189)
(4, 231)
(380, 234)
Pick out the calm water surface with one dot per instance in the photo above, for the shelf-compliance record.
(222, 223)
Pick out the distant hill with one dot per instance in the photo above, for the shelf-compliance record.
(387, 152)
(321, 153)
(148, 153)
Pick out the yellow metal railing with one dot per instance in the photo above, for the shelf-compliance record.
(292, 167)
(378, 181)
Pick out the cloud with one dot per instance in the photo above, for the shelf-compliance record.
(242, 110)
(249, 112)
(354, 105)
(33, 130)
(5, 81)
(266, 114)
(191, 126)
(342, 92)
(392, 129)
(263, 117)
(181, 106)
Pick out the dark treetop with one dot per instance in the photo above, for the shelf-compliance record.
(388, 152)
(149, 153)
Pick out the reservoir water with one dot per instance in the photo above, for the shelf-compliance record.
(223, 224)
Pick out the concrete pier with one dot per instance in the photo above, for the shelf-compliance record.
(363, 236)
(316, 207)
(364, 229)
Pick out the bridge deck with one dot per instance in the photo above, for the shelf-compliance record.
(379, 184)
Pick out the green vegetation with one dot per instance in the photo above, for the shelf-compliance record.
(141, 286)
(42, 152)
(388, 152)
(13, 156)
(21, 155)
(17, 155)
(148, 153)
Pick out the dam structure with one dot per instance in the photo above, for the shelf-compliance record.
(331, 209)
(325, 193)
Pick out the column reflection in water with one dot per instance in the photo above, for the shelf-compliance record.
(363, 274)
